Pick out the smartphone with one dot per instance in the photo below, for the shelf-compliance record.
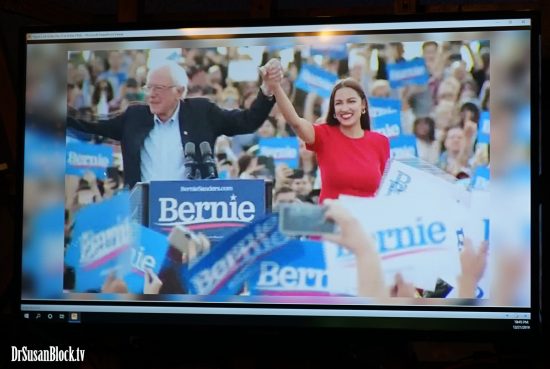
(188, 244)
(179, 238)
(221, 156)
(304, 220)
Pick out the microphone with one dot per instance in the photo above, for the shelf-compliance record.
(189, 161)
(208, 160)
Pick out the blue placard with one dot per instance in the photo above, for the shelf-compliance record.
(213, 207)
(149, 252)
(44, 155)
(484, 131)
(43, 253)
(333, 51)
(281, 149)
(297, 268)
(403, 146)
(102, 241)
(480, 179)
(379, 106)
(413, 72)
(83, 157)
(315, 79)
(230, 263)
(389, 124)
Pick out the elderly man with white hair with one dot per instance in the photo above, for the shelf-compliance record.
(153, 136)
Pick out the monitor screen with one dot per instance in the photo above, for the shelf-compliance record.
(330, 172)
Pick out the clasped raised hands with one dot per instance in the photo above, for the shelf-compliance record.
(272, 75)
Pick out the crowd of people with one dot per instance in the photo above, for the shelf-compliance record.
(444, 114)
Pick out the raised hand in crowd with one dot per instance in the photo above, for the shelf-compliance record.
(470, 132)
(251, 169)
(473, 262)
(369, 266)
(198, 245)
(470, 129)
(370, 279)
(282, 176)
(113, 284)
(402, 288)
(351, 235)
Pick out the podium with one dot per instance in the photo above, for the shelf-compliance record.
(214, 207)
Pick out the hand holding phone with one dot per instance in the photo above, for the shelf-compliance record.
(179, 238)
(350, 233)
(282, 175)
(190, 245)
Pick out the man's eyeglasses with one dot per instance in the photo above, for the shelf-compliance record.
(156, 88)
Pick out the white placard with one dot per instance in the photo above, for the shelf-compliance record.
(243, 71)
(415, 235)
(401, 178)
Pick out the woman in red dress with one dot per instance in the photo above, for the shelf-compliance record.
(351, 157)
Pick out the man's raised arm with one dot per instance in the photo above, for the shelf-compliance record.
(111, 128)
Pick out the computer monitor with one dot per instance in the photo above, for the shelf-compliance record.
(182, 173)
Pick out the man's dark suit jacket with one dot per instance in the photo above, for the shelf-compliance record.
(199, 118)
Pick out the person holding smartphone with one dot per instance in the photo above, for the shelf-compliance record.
(351, 157)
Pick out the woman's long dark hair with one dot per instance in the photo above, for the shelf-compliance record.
(351, 83)
(431, 124)
(98, 89)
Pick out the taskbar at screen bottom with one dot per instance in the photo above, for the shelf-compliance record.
(478, 320)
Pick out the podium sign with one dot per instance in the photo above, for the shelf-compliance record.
(215, 207)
